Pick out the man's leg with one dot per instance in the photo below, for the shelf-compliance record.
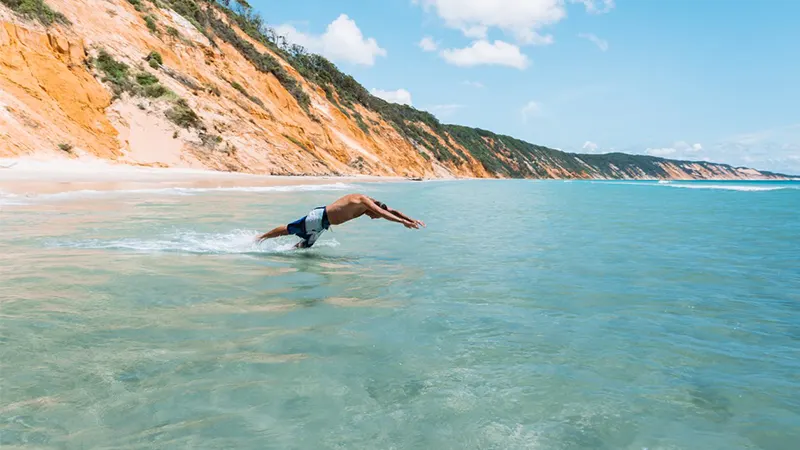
(279, 231)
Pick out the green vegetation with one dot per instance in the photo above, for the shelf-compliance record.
(36, 10)
(172, 31)
(137, 5)
(145, 85)
(156, 90)
(155, 60)
(150, 21)
(296, 142)
(114, 73)
(65, 147)
(182, 115)
(244, 92)
(264, 62)
(146, 79)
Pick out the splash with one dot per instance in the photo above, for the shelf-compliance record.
(193, 242)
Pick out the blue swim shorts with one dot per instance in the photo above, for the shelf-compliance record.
(310, 227)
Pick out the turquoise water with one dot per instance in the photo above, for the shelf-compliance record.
(527, 315)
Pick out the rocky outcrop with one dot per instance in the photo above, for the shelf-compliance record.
(236, 115)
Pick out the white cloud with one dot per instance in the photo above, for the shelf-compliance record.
(531, 109)
(776, 149)
(679, 150)
(400, 96)
(476, 32)
(484, 53)
(661, 152)
(592, 8)
(428, 44)
(533, 38)
(602, 44)
(518, 18)
(475, 84)
(342, 41)
(442, 111)
(590, 146)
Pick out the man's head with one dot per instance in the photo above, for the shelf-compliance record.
(381, 205)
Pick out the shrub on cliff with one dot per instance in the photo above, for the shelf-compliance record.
(155, 60)
(36, 10)
(150, 21)
(264, 62)
(115, 72)
(244, 92)
(182, 115)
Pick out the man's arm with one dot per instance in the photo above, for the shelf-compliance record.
(279, 231)
(403, 216)
(386, 214)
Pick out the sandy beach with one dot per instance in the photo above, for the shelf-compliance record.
(32, 177)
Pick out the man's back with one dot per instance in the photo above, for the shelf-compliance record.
(346, 208)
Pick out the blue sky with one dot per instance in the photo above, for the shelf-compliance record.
(691, 79)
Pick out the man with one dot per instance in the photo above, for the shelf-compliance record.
(310, 227)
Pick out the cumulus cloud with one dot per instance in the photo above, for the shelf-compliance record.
(520, 19)
(602, 44)
(428, 44)
(474, 84)
(531, 109)
(678, 150)
(597, 7)
(589, 146)
(485, 53)
(342, 42)
(776, 149)
(400, 96)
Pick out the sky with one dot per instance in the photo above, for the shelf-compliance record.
(715, 80)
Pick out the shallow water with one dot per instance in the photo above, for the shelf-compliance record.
(546, 315)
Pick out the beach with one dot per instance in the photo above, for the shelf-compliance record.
(30, 177)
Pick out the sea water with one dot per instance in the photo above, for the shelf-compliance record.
(527, 315)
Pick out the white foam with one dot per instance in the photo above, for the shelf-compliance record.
(190, 241)
(726, 187)
(733, 187)
(9, 199)
(89, 193)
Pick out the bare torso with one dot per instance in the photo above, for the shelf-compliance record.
(346, 208)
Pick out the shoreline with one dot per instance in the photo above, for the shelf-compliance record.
(21, 177)
(25, 178)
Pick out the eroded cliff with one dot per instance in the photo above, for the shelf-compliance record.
(180, 83)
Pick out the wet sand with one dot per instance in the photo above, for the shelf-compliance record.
(37, 177)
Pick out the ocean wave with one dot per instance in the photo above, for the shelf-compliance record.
(740, 188)
(725, 187)
(9, 199)
(6, 198)
(190, 241)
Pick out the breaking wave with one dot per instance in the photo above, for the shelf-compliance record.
(734, 187)
(193, 242)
